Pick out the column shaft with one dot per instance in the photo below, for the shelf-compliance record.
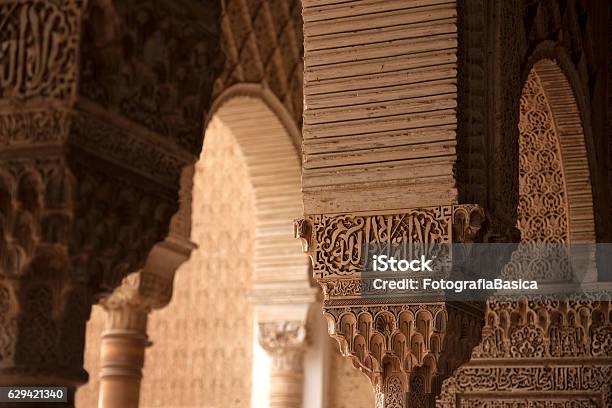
(122, 354)
(286, 378)
(285, 342)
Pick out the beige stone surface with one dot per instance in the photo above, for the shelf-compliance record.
(201, 355)
(348, 387)
(87, 395)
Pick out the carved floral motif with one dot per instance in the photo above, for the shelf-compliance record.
(542, 207)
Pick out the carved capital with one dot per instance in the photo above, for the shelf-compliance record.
(126, 307)
(285, 341)
(405, 346)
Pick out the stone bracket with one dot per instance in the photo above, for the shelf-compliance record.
(406, 347)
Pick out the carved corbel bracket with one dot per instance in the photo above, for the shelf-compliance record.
(405, 347)
(302, 230)
(127, 308)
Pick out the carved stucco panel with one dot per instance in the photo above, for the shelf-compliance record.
(39, 49)
(263, 43)
(551, 351)
(542, 207)
(210, 317)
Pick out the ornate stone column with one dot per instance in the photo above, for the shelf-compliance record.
(281, 310)
(285, 341)
(99, 113)
(380, 163)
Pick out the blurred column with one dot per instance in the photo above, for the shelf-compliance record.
(285, 342)
(124, 338)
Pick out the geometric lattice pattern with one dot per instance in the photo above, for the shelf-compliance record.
(263, 43)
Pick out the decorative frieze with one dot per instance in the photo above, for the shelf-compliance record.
(335, 242)
(546, 327)
(559, 386)
(39, 127)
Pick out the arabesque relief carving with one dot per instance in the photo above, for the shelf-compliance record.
(530, 346)
(406, 348)
(39, 48)
(263, 43)
(542, 206)
(161, 49)
(540, 351)
(499, 42)
(335, 242)
(85, 190)
(546, 327)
